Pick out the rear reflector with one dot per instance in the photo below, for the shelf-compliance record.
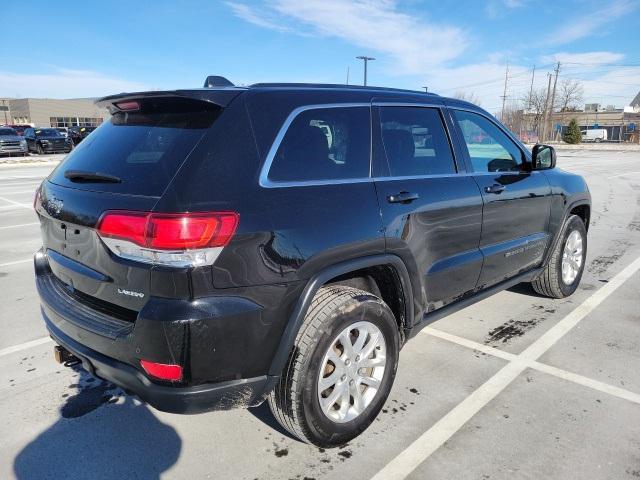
(162, 371)
(177, 239)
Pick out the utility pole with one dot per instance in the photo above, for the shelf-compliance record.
(546, 110)
(553, 97)
(348, 75)
(5, 112)
(533, 75)
(366, 60)
(504, 93)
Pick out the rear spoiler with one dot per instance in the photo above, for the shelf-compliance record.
(217, 96)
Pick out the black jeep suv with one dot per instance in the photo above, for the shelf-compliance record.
(212, 248)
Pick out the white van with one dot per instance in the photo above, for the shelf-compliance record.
(594, 135)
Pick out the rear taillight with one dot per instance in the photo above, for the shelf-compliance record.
(175, 239)
(162, 371)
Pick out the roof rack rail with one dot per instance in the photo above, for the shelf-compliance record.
(339, 86)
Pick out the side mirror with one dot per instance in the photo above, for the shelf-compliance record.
(543, 157)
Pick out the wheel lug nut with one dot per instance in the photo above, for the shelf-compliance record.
(347, 362)
(352, 383)
(358, 358)
(343, 378)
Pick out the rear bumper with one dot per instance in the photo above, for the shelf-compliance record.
(195, 399)
(111, 348)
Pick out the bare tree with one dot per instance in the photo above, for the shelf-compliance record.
(514, 118)
(569, 95)
(468, 97)
(537, 104)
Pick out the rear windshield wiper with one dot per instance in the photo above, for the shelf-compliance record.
(85, 176)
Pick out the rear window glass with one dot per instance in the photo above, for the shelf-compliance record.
(144, 149)
(324, 144)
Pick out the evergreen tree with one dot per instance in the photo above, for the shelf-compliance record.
(573, 135)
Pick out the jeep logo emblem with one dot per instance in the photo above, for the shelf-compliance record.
(53, 206)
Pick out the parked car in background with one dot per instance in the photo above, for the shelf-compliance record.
(11, 142)
(77, 134)
(63, 131)
(594, 135)
(46, 140)
(19, 128)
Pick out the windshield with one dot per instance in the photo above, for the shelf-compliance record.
(8, 131)
(144, 148)
(47, 132)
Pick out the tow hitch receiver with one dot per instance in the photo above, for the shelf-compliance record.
(62, 355)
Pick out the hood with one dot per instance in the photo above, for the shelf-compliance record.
(11, 138)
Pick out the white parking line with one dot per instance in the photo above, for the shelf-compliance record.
(19, 225)
(542, 367)
(622, 174)
(16, 262)
(17, 184)
(410, 458)
(17, 204)
(19, 192)
(24, 346)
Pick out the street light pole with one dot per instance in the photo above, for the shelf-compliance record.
(365, 59)
(426, 89)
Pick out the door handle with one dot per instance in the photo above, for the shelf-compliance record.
(403, 197)
(495, 188)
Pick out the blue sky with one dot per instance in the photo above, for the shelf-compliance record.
(76, 49)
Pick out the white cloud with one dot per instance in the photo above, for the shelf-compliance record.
(64, 83)
(499, 8)
(259, 18)
(590, 22)
(586, 58)
(377, 26)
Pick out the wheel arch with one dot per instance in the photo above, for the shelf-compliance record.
(580, 207)
(340, 273)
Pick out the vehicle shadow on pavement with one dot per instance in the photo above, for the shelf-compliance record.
(525, 288)
(102, 433)
(263, 413)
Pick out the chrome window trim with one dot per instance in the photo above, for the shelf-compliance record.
(499, 126)
(264, 180)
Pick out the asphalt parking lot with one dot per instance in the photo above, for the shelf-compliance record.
(517, 386)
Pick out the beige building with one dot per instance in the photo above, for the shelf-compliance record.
(48, 112)
(621, 124)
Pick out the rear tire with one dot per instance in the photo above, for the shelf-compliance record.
(552, 282)
(337, 311)
(40, 150)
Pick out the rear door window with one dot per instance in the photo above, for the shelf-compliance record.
(415, 142)
(324, 144)
(144, 148)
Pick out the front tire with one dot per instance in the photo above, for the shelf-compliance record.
(341, 369)
(561, 276)
(39, 149)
